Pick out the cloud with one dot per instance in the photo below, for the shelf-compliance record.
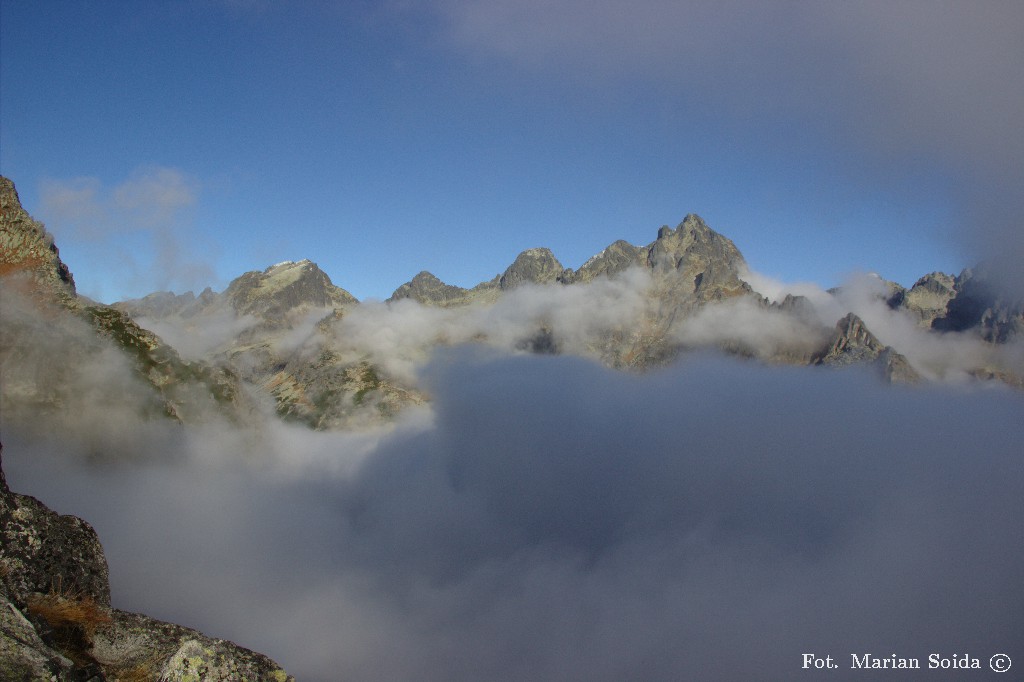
(558, 520)
(196, 338)
(141, 229)
(947, 356)
(748, 327)
(400, 335)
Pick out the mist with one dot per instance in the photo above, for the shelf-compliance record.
(548, 518)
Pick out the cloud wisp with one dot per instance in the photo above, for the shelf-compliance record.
(141, 228)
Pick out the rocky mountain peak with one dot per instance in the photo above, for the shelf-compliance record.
(702, 263)
(616, 257)
(853, 343)
(978, 304)
(429, 290)
(284, 287)
(927, 299)
(538, 266)
(27, 250)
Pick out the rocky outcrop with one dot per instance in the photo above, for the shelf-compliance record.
(56, 620)
(330, 392)
(853, 344)
(27, 251)
(927, 299)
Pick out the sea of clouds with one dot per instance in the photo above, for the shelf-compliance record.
(549, 518)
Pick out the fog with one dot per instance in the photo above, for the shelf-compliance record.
(548, 519)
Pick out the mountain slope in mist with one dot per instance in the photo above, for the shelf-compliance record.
(289, 341)
(639, 469)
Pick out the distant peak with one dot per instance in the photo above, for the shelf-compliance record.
(289, 264)
(537, 265)
(425, 277)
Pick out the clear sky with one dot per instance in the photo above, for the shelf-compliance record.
(175, 145)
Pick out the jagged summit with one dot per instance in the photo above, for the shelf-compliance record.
(28, 250)
(284, 287)
(704, 262)
(429, 290)
(538, 266)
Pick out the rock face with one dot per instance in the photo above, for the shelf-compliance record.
(928, 298)
(56, 621)
(27, 250)
(537, 266)
(699, 257)
(852, 343)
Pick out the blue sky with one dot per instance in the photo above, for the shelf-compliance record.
(175, 145)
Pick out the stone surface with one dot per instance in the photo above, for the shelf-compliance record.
(23, 654)
(614, 259)
(137, 645)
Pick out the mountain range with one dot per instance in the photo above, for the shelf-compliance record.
(288, 347)
(289, 340)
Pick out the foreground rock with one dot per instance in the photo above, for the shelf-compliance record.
(56, 621)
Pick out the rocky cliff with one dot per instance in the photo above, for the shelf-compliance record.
(28, 256)
(57, 622)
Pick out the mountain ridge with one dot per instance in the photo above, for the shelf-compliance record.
(288, 337)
